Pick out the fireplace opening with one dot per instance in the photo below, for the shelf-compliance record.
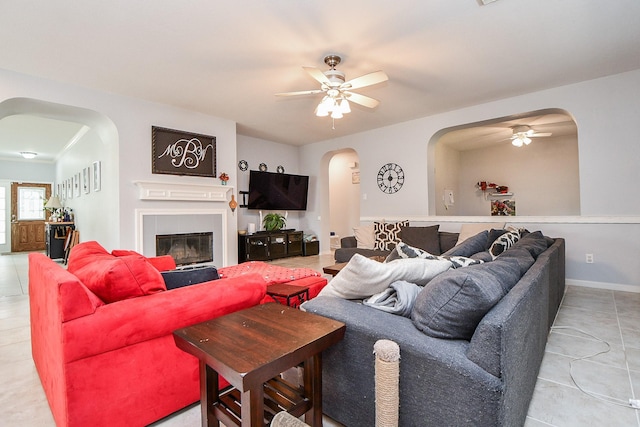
(189, 248)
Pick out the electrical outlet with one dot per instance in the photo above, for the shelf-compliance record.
(589, 258)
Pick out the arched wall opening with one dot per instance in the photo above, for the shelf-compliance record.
(340, 208)
(468, 163)
(96, 208)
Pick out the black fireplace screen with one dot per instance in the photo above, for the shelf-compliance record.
(190, 248)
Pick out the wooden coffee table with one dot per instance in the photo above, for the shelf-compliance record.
(250, 348)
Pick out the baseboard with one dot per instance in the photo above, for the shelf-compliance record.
(603, 285)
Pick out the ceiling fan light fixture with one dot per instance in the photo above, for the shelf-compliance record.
(517, 142)
(336, 114)
(344, 106)
(321, 110)
(526, 140)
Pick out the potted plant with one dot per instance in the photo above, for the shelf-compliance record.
(274, 221)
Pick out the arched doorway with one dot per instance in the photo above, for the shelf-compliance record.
(96, 139)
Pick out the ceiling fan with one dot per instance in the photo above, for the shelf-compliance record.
(338, 92)
(522, 135)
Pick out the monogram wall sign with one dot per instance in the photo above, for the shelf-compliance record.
(176, 152)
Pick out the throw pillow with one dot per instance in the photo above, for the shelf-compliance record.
(161, 263)
(469, 230)
(113, 279)
(452, 304)
(363, 277)
(402, 250)
(365, 236)
(189, 276)
(85, 253)
(387, 234)
(470, 246)
(504, 242)
(425, 238)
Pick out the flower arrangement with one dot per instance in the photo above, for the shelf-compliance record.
(224, 178)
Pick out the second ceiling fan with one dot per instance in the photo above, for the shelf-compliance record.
(338, 92)
(522, 135)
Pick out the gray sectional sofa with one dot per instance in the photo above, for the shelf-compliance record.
(459, 365)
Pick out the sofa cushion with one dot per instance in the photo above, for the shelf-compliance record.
(534, 242)
(363, 277)
(447, 240)
(113, 279)
(365, 236)
(470, 230)
(470, 246)
(387, 234)
(452, 304)
(425, 238)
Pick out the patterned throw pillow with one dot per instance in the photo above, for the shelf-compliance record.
(504, 242)
(403, 250)
(387, 234)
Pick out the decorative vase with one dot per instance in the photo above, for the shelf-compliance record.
(233, 204)
(223, 182)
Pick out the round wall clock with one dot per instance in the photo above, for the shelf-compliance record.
(243, 165)
(263, 167)
(390, 178)
(280, 169)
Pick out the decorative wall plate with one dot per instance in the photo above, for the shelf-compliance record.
(243, 165)
(263, 167)
(390, 178)
(280, 169)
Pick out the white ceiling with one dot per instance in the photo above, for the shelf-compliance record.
(228, 58)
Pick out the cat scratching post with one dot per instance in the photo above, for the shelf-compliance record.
(387, 378)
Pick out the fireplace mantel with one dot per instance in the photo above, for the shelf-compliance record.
(153, 190)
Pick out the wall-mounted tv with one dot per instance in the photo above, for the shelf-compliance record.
(277, 191)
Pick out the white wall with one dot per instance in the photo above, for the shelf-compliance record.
(27, 171)
(543, 177)
(603, 110)
(448, 177)
(91, 219)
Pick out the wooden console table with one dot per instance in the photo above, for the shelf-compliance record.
(250, 348)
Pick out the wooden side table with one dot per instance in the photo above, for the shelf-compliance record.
(292, 294)
(250, 348)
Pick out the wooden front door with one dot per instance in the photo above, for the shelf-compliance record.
(28, 216)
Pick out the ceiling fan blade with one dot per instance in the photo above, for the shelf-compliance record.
(302, 92)
(318, 75)
(366, 80)
(361, 99)
(539, 134)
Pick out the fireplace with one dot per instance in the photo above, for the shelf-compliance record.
(186, 248)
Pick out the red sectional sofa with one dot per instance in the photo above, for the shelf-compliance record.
(101, 334)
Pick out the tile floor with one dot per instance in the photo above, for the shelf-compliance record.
(612, 377)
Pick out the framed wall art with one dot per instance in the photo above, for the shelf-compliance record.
(76, 185)
(176, 152)
(97, 181)
(70, 188)
(86, 185)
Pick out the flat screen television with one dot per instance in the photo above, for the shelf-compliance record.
(277, 191)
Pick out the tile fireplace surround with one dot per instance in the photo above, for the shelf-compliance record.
(169, 220)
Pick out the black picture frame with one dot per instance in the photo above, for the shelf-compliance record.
(176, 152)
